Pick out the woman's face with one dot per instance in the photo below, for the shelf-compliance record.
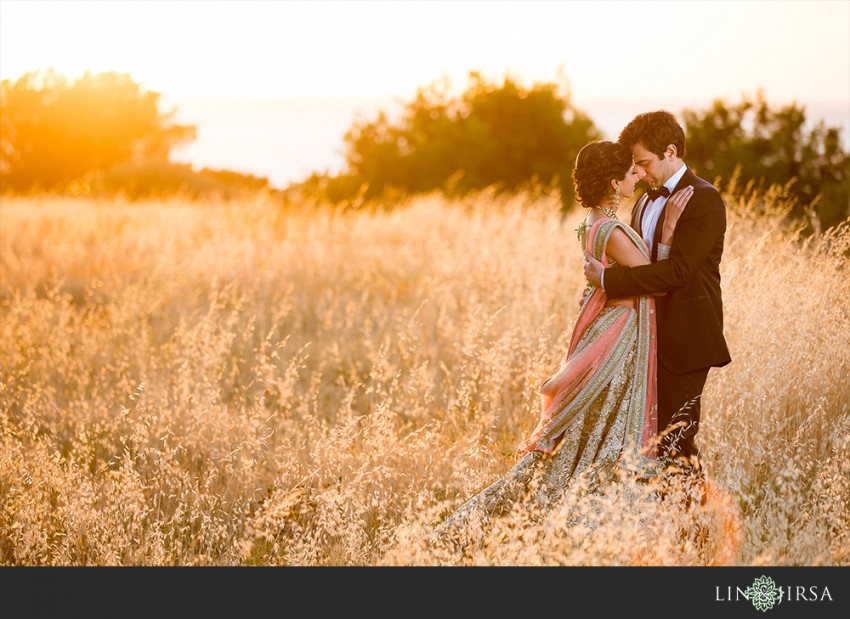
(627, 185)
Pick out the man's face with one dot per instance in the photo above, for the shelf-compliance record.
(651, 168)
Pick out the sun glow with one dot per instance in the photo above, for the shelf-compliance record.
(274, 85)
(390, 48)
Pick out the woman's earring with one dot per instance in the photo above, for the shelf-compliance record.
(617, 197)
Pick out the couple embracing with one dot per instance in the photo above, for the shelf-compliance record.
(649, 329)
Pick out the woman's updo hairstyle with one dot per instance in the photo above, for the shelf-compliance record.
(596, 165)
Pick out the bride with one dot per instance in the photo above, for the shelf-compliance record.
(600, 405)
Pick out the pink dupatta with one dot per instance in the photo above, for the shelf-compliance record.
(577, 369)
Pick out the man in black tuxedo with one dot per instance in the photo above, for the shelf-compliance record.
(690, 314)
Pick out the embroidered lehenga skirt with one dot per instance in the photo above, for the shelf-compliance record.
(598, 407)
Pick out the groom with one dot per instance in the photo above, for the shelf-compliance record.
(690, 314)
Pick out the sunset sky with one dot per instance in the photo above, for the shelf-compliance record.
(792, 48)
(647, 52)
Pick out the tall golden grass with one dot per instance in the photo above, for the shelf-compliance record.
(242, 384)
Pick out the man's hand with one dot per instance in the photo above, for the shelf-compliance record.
(592, 269)
(584, 294)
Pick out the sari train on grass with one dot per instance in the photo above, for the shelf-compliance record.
(598, 407)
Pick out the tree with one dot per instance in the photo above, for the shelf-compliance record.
(771, 146)
(505, 136)
(53, 132)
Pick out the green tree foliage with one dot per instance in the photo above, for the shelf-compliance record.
(54, 132)
(755, 142)
(160, 179)
(507, 136)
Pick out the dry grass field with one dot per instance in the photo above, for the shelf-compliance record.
(240, 384)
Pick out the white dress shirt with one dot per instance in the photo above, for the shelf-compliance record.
(653, 209)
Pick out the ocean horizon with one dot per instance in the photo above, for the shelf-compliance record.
(285, 139)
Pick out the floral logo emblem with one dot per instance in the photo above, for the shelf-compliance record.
(763, 593)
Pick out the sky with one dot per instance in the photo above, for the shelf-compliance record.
(649, 53)
(607, 48)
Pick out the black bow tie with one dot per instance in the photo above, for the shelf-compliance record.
(655, 193)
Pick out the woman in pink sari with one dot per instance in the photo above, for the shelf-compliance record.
(600, 405)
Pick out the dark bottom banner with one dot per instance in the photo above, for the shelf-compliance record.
(724, 592)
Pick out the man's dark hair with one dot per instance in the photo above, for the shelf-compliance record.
(655, 130)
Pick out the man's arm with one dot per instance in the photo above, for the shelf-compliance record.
(702, 224)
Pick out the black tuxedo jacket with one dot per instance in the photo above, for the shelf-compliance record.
(690, 315)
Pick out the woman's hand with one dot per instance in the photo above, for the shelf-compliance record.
(673, 210)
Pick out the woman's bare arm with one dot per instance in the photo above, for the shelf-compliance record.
(623, 250)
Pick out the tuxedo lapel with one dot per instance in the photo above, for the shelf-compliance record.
(656, 238)
(637, 214)
(687, 179)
